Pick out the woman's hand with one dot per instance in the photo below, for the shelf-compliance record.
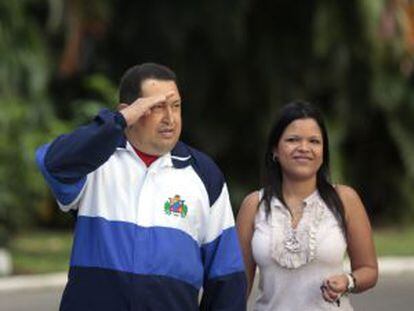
(334, 287)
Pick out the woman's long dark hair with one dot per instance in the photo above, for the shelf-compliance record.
(272, 173)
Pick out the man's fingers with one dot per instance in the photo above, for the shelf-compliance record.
(142, 106)
(149, 101)
(158, 99)
(169, 94)
(154, 100)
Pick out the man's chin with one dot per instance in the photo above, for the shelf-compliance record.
(165, 148)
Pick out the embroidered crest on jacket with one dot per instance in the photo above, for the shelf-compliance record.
(175, 206)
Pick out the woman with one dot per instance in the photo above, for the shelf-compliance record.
(297, 228)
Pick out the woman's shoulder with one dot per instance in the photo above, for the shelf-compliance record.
(346, 193)
(349, 197)
(252, 199)
(249, 206)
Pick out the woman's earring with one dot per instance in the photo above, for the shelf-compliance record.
(274, 157)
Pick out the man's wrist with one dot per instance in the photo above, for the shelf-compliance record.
(120, 120)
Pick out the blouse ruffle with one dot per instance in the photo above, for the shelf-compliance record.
(295, 247)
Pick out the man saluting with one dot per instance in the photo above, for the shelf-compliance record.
(154, 221)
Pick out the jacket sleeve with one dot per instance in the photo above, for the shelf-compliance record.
(224, 281)
(66, 162)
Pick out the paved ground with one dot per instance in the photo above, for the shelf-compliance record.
(46, 299)
(393, 292)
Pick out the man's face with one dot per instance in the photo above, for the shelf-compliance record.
(157, 133)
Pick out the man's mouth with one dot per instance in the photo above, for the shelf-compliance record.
(166, 133)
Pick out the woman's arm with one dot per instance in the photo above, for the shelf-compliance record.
(245, 229)
(361, 250)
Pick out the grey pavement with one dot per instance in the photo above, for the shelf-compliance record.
(394, 291)
(35, 299)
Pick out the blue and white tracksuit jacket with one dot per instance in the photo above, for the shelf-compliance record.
(145, 238)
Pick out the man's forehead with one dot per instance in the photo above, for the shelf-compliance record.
(150, 87)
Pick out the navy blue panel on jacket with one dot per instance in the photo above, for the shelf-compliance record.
(91, 289)
(208, 171)
(72, 157)
(63, 192)
(217, 293)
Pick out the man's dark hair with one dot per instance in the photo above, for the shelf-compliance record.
(131, 81)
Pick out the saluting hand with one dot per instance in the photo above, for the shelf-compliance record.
(142, 107)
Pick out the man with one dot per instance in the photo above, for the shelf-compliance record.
(154, 221)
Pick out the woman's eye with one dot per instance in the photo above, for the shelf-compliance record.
(292, 139)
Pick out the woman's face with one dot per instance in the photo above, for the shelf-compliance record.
(300, 149)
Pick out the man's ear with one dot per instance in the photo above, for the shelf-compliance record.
(121, 106)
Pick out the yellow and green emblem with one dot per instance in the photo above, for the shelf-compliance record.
(175, 206)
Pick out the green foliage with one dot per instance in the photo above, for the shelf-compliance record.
(394, 241)
(41, 251)
(368, 101)
(103, 89)
(26, 117)
(237, 62)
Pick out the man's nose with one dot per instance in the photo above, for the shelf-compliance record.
(168, 115)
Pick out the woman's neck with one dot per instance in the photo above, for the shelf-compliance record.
(298, 189)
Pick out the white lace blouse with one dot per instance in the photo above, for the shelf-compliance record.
(294, 262)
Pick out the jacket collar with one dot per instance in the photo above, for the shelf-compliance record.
(179, 156)
(122, 142)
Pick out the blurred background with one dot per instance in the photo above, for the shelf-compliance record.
(238, 62)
